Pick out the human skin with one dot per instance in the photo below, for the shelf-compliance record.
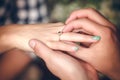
(12, 63)
(19, 36)
(103, 55)
(65, 67)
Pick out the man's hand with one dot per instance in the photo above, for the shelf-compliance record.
(104, 55)
(62, 65)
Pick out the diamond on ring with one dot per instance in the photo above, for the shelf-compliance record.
(59, 34)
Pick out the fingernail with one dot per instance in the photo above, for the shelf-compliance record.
(75, 48)
(96, 37)
(32, 44)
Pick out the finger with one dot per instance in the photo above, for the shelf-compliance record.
(76, 37)
(63, 46)
(85, 24)
(41, 49)
(56, 64)
(86, 13)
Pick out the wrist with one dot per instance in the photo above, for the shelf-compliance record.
(5, 41)
(7, 37)
(20, 37)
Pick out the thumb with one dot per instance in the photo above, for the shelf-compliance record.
(40, 49)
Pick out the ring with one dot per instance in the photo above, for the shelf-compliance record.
(59, 34)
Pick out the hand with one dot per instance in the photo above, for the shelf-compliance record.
(86, 13)
(19, 36)
(103, 55)
(62, 65)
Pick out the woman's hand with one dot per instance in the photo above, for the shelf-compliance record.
(62, 65)
(18, 36)
(103, 55)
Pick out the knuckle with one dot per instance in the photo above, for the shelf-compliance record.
(74, 12)
(91, 10)
(73, 22)
(53, 45)
(84, 20)
(108, 32)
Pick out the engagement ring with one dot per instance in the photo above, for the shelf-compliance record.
(59, 34)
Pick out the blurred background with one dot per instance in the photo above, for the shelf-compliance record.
(60, 10)
(44, 11)
(34, 11)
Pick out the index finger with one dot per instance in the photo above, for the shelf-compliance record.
(91, 14)
(85, 24)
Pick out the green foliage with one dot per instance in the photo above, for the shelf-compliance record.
(109, 8)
